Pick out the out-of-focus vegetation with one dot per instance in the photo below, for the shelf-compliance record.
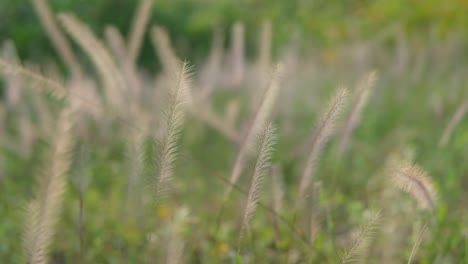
(191, 23)
(138, 191)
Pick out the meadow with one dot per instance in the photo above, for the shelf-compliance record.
(350, 153)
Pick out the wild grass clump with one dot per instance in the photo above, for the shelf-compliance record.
(166, 152)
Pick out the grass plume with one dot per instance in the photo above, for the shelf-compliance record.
(56, 36)
(140, 20)
(43, 212)
(113, 83)
(174, 114)
(321, 136)
(359, 101)
(261, 168)
(48, 85)
(415, 181)
(454, 121)
(57, 90)
(165, 52)
(260, 118)
(361, 242)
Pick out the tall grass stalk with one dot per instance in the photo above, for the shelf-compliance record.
(417, 243)
(454, 121)
(321, 136)
(174, 114)
(260, 118)
(137, 31)
(114, 85)
(358, 103)
(361, 242)
(262, 166)
(44, 210)
(57, 37)
(162, 45)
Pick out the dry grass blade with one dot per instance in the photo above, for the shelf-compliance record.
(211, 71)
(137, 31)
(114, 85)
(58, 39)
(43, 212)
(263, 62)
(166, 54)
(361, 242)
(260, 119)
(321, 136)
(415, 181)
(264, 46)
(261, 168)
(162, 45)
(117, 45)
(359, 101)
(457, 117)
(174, 120)
(237, 55)
(46, 84)
(57, 90)
(13, 84)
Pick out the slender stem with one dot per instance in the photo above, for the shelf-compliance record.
(466, 249)
(418, 241)
(290, 224)
(81, 227)
(219, 217)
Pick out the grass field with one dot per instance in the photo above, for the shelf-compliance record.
(356, 153)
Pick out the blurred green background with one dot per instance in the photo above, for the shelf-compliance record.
(191, 22)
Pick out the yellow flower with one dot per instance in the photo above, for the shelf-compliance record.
(222, 248)
(163, 212)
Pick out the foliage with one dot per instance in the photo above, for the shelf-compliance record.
(191, 22)
(108, 215)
